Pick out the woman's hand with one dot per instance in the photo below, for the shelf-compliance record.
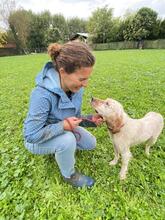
(97, 119)
(71, 123)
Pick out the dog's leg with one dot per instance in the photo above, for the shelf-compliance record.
(116, 158)
(126, 156)
(149, 143)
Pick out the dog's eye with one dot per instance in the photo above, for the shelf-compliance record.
(107, 103)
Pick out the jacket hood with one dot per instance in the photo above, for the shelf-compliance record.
(49, 79)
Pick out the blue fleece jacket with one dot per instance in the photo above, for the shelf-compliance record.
(49, 106)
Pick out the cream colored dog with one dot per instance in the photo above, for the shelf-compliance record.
(126, 131)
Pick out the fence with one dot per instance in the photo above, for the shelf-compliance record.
(8, 51)
(146, 44)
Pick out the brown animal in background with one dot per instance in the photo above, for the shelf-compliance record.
(126, 131)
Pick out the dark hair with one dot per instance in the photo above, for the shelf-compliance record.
(71, 56)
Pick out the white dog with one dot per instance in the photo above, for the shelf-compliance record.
(126, 131)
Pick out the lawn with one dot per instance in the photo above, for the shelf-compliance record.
(31, 186)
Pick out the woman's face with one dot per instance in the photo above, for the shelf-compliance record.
(74, 81)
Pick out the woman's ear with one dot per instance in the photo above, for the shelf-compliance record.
(61, 71)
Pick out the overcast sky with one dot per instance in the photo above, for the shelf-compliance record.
(84, 8)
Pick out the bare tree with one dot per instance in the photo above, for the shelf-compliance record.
(6, 7)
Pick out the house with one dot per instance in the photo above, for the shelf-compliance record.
(9, 45)
(80, 37)
(8, 49)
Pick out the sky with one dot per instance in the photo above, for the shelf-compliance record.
(83, 8)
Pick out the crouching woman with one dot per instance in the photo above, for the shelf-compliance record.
(52, 122)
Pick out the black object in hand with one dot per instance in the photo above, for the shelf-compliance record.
(87, 123)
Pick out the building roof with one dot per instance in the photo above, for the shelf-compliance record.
(9, 45)
(84, 35)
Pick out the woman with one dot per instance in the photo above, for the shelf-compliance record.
(52, 123)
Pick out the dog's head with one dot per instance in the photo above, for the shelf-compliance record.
(111, 111)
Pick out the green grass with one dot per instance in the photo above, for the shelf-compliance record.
(31, 185)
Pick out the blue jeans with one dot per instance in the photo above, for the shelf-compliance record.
(64, 147)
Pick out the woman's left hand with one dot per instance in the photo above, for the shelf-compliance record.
(97, 119)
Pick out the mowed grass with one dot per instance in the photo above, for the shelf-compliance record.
(31, 185)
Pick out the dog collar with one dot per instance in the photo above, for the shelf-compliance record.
(113, 131)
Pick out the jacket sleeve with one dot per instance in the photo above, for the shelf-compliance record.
(78, 114)
(35, 128)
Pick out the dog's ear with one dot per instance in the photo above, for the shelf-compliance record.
(117, 124)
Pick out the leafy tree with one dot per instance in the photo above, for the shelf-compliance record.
(127, 27)
(60, 28)
(76, 25)
(10, 37)
(52, 35)
(144, 25)
(3, 37)
(100, 25)
(162, 29)
(39, 26)
(118, 28)
(19, 22)
(46, 29)
(148, 18)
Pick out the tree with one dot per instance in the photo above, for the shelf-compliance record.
(6, 7)
(148, 20)
(143, 25)
(52, 35)
(127, 27)
(60, 27)
(19, 22)
(117, 30)
(39, 26)
(100, 25)
(76, 25)
(162, 29)
(10, 37)
(3, 37)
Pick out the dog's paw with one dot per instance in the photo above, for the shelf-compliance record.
(147, 153)
(122, 176)
(113, 162)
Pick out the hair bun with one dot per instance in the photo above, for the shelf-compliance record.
(54, 50)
